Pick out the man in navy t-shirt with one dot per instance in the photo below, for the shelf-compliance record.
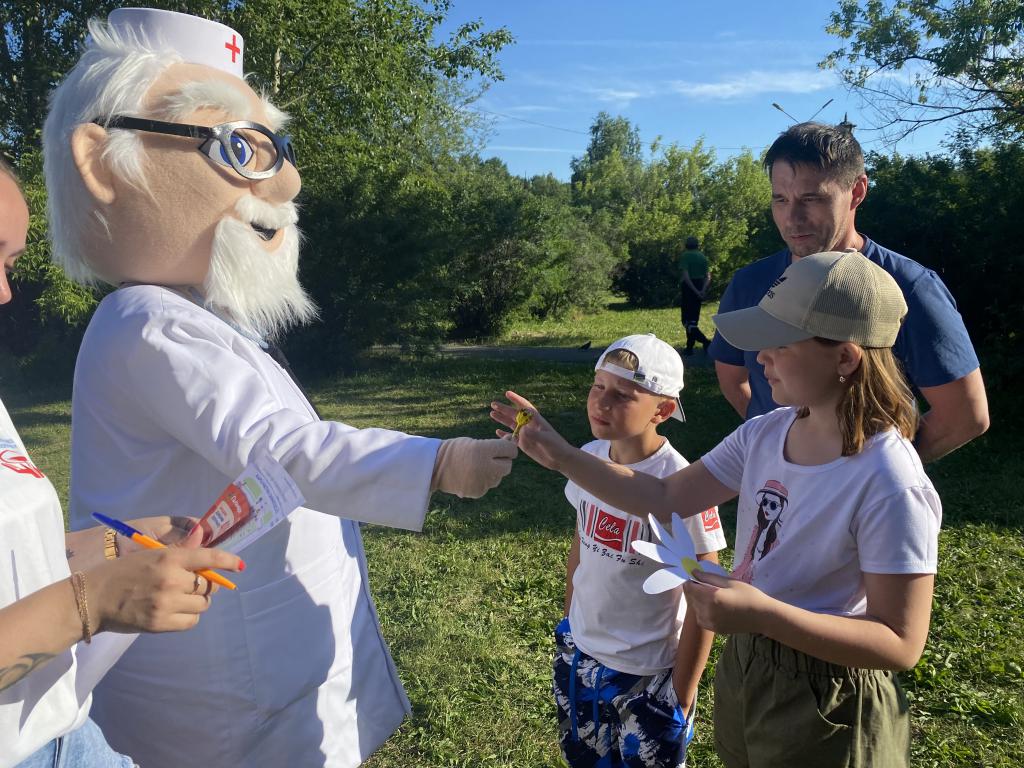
(818, 180)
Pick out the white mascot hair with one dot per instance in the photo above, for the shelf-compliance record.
(112, 76)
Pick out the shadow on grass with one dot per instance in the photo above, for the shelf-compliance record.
(26, 417)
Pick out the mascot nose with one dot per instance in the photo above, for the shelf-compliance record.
(281, 187)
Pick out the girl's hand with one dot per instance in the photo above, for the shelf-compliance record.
(725, 605)
(154, 590)
(536, 438)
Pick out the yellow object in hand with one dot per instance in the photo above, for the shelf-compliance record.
(522, 419)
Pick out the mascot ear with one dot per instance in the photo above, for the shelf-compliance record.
(87, 143)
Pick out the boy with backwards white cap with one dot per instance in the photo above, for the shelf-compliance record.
(617, 694)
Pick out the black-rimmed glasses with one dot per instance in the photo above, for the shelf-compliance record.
(234, 144)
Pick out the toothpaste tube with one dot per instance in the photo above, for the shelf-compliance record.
(261, 497)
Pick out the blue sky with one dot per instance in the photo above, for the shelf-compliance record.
(679, 70)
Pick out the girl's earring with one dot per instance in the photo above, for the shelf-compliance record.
(842, 379)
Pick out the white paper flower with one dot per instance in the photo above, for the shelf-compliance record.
(676, 553)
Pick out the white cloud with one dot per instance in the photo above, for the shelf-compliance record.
(621, 97)
(756, 82)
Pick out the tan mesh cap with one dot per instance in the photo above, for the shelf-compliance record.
(838, 295)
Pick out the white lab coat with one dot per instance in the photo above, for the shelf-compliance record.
(169, 404)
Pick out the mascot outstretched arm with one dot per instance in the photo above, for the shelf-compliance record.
(171, 179)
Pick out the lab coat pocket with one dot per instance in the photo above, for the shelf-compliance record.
(289, 627)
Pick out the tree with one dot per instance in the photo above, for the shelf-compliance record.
(968, 235)
(684, 193)
(608, 135)
(607, 173)
(376, 99)
(922, 62)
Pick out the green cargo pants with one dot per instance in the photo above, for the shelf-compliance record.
(775, 706)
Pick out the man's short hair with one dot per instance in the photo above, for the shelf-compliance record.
(692, 243)
(830, 148)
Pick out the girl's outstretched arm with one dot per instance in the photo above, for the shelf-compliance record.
(687, 492)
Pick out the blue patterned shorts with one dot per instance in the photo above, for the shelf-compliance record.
(610, 719)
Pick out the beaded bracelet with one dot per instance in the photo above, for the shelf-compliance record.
(78, 586)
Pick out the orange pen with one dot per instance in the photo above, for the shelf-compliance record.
(150, 543)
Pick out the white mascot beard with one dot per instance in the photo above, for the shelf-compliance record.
(258, 289)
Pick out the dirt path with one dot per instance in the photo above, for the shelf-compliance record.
(550, 354)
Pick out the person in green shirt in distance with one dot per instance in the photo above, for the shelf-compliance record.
(696, 277)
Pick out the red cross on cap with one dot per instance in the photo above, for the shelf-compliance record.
(195, 40)
(233, 47)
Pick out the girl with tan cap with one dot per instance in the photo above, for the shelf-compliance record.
(821, 613)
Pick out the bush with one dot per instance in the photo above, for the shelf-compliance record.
(959, 216)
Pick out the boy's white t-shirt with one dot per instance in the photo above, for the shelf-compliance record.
(807, 534)
(612, 618)
(54, 699)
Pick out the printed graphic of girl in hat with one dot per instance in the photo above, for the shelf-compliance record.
(772, 499)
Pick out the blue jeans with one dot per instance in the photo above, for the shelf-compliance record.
(84, 747)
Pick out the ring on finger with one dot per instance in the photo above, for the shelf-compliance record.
(195, 585)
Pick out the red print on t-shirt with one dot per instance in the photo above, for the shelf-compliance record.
(17, 461)
(610, 530)
(710, 519)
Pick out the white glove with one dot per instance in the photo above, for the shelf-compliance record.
(469, 468)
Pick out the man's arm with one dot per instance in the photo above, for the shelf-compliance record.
(692, 655)
(689, 283)
(707, 285)
(570, 568)
(957, 413)
(734, 381)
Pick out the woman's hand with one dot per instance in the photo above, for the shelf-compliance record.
(155, 590)
(172, 531)
(725, 605)
(536, 438)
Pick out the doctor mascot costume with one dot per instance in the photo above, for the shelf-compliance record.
(169, 177)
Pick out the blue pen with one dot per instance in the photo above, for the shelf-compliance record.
(150, 543)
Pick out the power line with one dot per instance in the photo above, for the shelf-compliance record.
(531, 122)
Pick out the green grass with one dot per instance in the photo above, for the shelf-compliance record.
(469, 605)
(602, 328)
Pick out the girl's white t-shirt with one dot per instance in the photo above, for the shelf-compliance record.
(807, 534)
(54, 699)
(612, 618)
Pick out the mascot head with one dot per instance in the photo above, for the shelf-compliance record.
(163, 166)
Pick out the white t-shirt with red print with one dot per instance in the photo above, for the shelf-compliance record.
(612, 618)
(54, 699)
(807, 534)
(44, 704)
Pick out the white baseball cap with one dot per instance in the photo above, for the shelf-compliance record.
(196, 40)
(838, 295)
(659, 369)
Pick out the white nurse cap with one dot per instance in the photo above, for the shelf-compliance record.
(196, 40)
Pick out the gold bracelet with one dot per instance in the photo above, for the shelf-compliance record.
(111, 551)
(82, 603)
